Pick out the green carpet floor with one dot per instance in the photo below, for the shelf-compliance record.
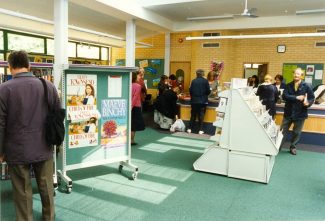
(168, 189)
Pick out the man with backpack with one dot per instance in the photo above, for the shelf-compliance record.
(23, 144)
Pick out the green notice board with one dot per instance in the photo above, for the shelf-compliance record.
(154, 68)
(97, 102)
(313, 73)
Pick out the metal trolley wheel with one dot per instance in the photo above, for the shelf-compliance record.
(120, 168)
(134, 175)
(68, 189)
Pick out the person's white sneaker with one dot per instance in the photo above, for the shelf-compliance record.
(201, 132)
(189, 131)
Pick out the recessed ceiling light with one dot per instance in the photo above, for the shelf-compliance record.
(312, 11)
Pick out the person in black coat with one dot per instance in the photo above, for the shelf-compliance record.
(298, 96)
(199, 91)
(169, 100)
(163, 84)
(268, 95)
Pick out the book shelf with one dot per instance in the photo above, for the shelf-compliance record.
(40, 70)
(246, 140)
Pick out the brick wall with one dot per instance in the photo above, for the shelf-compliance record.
(235, 52)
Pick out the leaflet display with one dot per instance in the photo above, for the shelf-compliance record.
(239, 115)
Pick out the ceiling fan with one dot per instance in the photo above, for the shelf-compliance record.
(248, 12)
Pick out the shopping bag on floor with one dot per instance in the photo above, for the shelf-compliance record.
(178, 125)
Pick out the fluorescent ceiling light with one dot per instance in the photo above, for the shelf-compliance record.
(209, 17)
(318, 34)
(33, 18)
(313, 11)
(148, 3)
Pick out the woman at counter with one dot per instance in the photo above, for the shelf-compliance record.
(163, 84)
(268, 94)
(279, 82)
(213, 83)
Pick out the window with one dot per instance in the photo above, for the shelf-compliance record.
(87, 51)
(256, 65)
(210, 45)
(320, 44)
(248, 65)
(27, 43)
(209, 34)
(71, 48)
(1, 41)
(104, 53)
(50, 46)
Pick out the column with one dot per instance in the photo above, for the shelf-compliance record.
(167, 54)
(130, 43)
(60, 39)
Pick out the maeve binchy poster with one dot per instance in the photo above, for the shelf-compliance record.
(114, 123)
(82, 110)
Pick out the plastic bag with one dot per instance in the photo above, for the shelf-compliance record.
(178, 125)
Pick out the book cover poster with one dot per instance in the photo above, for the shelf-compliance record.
(82, 110)
(114, 123)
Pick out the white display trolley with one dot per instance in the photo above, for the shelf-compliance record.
(246, 140)
(98, 119)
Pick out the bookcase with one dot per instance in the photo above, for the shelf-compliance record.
(246, 138)
(40, 70)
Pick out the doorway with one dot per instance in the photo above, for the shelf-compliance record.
(182, 70)
(258, 69)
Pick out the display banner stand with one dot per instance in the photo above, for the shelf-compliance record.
(98, 119)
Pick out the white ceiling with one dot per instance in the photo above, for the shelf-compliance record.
(265, 8)
(158, 16)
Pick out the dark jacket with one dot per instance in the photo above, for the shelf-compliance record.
(294, 108)
(268, 95)
(22, 119)
(162, 87)
(166, 103)
(199, 91)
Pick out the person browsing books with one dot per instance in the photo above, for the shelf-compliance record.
(23, 146)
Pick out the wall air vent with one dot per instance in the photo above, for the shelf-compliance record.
(209, 34)
(320, 44)
(211, 45)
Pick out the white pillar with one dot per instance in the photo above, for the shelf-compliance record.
(130, 43)
(60, 39)
(167, 54)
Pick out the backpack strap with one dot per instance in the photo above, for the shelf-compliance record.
(45, 93)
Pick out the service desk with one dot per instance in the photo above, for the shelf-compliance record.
(314, 126)
(185, 110)
(313, 130)
(315, 123)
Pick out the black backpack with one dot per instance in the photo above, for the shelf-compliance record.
(54, 123)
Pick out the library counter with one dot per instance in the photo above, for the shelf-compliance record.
(185, 110)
